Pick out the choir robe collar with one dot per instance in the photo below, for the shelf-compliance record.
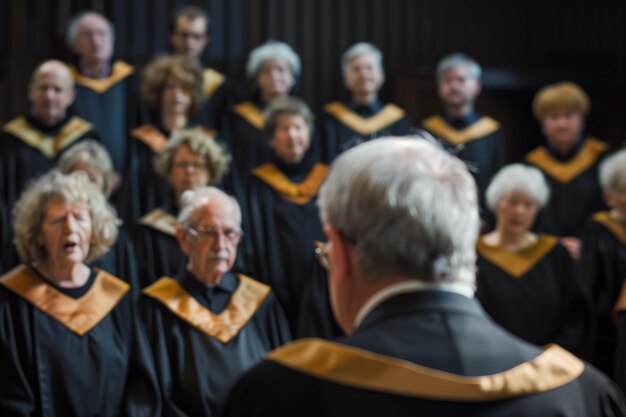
(295, 172)
(215, 298)
(569, 155)
(462, 122)
(366, 110)
(45, 129)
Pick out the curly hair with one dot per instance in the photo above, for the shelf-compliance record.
(30, 210)
(186, 72)
(216, 157)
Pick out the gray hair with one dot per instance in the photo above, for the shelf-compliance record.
(456, 60)
(408, 207)
(272, 50)
(613, 172)
(74, 25)
(291, 106)
(215, 156)
(30, 210)
(92, 154)
(358, 49)
(521, 178)
(192, 200)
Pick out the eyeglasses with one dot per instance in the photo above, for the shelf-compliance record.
(187, 165)
(322, 253)
(211, 234)
(193, 35)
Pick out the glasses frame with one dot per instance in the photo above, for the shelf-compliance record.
(213, 233)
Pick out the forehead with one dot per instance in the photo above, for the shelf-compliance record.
(184, 151)
(59, 204)
(216, 212)
(285, 118)
(460, 71)
(186, 22)
(55, 76)
(518, 194)
(93, 22)
(274, 63)
(365, 58)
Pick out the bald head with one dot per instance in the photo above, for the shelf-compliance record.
(191, 201)
(51, 92)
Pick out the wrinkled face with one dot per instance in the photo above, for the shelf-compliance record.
(364, 75)
(189, 37)
(50, 95)
(174, 98)
(211, 254)
(516, 212)
(274, 78)
(562, 128)
(94, 41)
(616, 199)
(457, 87)
(65, 232)
(189, 170)
(291, 139)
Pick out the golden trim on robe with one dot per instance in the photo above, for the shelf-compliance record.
(620, 304)
(212, 81)
(251, 113)
(565, 172)
(480, 128)
(49, 146)
(79, 315)
(119, 71)
(160, 220)
(300, 193)
(389, 114)
(613, 226)
(152, 137)
(361, 369)
(242, 306)
(518, 263)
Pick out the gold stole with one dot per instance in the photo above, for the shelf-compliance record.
(300, 193)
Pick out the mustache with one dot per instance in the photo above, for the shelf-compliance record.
(221, 255)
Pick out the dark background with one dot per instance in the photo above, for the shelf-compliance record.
(521, 44)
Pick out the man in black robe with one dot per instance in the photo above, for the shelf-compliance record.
(31, 144)
(189, 36)
(364, 116)
(106, 89)
(478, 139)
(401, 217)
(208, 325)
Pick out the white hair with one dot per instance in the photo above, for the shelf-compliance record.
(192, 200)
(358, 49)
(408, 207)
(272, 50)
(521, 178)
(74, 25)
(456, 60)
(613, 172)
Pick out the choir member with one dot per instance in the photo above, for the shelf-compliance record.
(191, 159)
(527, 281)
(70, 343)
(364, 116)
(208, 325)
(282, 213)
(570, 162)
(604, 259)
(478, 139)
(106, 89)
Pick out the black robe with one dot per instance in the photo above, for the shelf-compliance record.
(603, 264)
(219, 97)
(204, 338)
(29, 149)
(575, 192)
(535, 293)
(282, 224)
(426, 353)
(111, 104)
(346, 125)
(72, 352)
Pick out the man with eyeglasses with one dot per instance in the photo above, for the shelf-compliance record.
(208, 325)
(401, 219)
(190, 36)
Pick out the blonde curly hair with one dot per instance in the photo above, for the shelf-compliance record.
(75, 188)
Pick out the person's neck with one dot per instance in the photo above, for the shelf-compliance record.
(268, 97)
(94, 67)
(510, 241)
(65, 275)
(364, 98)
(617, 216)
(563, 148)
(460, 111)
(206, 280)
(47, 120)
(173, 122)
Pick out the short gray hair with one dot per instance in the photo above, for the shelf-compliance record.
(291, 106)
(215, 156)
(74, 25)
(30, 210)
(613, 172)
(358, 49)
(521, 178)
(191, 200)
(456, 60)
(94, 155)
(273, 50)
(408, 207)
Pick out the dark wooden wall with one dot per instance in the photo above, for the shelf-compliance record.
(522, 45)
